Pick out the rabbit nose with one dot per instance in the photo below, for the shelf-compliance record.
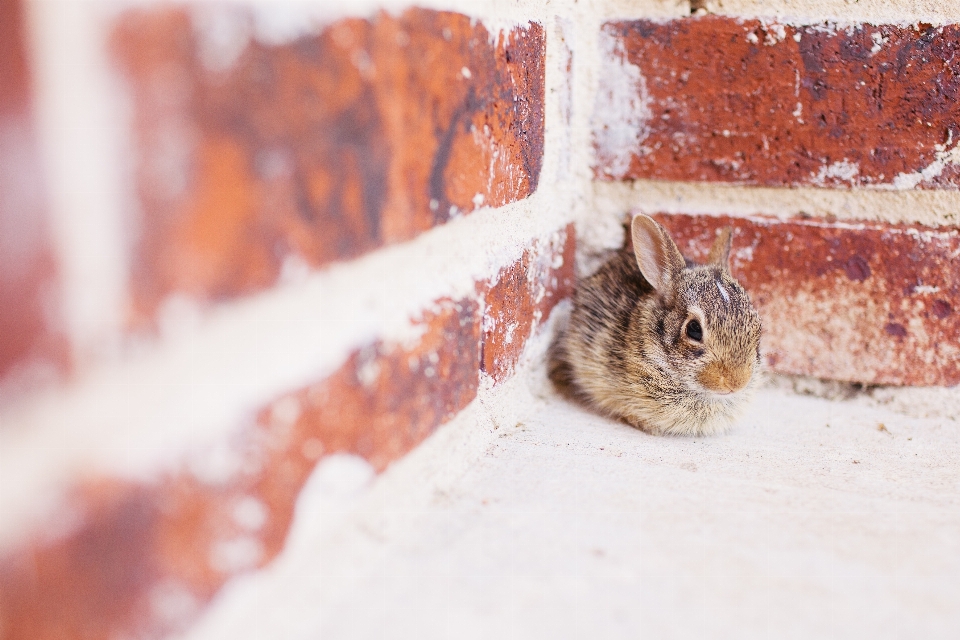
(721, 378)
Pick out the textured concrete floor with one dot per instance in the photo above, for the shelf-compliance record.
(530, 518)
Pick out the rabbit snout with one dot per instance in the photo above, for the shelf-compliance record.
(725, 378)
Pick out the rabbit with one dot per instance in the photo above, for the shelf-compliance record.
(669, 346)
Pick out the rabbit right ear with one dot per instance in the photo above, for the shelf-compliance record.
(720, 252)
(657, 255)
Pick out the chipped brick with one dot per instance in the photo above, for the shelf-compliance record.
(387, 399)
(364, 134)
(865, 302)
(755, 102)
(521, 297)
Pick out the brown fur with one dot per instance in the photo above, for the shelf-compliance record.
(625, 351)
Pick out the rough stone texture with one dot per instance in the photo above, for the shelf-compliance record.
(866, 302)
(521, 297)
(27, 273)
(367, 133)
(143, 560)
(754, 102)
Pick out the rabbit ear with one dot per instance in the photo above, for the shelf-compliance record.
(720, 252)
(657, 256)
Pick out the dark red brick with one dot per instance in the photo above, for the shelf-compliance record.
(521, 297)
(365, 134)
(27, 272)
(863, 301)
(756, 102)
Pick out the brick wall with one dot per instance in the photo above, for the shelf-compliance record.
(239, 238)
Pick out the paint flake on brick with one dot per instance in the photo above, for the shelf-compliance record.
(319, 149)
(866, 302)
(760, 102)
(622, 108)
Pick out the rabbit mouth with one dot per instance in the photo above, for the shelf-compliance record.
(721, 394)
(724, 396)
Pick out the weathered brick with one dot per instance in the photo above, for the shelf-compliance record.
(867, 302)
(27, 270)
(366, 133)
(386, 400)
(757, 102)
(521, 296)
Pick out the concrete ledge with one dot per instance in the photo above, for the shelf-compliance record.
(527, 517)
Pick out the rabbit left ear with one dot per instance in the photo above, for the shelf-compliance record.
(720, 251)
(657, 256)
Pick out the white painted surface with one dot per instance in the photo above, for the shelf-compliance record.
(530, 518)
(622, 111)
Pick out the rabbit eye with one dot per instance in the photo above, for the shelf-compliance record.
(694, 330)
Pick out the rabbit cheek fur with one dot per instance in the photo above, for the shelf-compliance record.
(628, 353)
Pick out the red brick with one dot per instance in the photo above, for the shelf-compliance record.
(364, 134)
(521, 297)
(386, 400)
(867, 302)
(755, 102)
(27, 270)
